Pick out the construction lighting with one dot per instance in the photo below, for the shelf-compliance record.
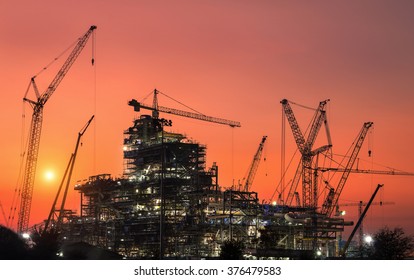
(368, 239)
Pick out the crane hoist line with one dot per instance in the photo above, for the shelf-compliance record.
(36, 129)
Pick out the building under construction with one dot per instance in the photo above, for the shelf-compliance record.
(168, 204)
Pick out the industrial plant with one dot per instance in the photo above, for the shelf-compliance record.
(168, 204)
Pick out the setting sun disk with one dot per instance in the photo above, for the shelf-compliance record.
(49, 175)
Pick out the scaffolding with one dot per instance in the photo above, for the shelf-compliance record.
(169, 205)
(159, 207)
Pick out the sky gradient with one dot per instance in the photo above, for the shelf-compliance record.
(230, 59)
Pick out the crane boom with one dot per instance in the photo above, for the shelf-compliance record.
(36, 129)
(305, 148)
(72, 164)
(360, 204)
(297, 133)
(361, 218)
(254, 165)
(333, 196)
(66, 66)
(155, 108)
(368, 171)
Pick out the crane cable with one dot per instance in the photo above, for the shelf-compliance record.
(4, 214)
(303, 106)
(180, 103)
(95, 96)
(23, 147)
(56, 58)
(371, 156)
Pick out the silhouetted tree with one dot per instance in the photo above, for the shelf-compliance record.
(391, 244)
(12, 247)
(232, 250)
(46, 244)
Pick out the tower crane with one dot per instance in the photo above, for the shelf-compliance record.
(360, 204)
(254, 165)
(332, 198)
(309, 188)
(36, 128)
(155, 108)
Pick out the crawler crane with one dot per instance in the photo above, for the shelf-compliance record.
(36, 128)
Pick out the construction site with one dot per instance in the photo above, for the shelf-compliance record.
(168, 204)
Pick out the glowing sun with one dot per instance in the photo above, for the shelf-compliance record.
(49, 175)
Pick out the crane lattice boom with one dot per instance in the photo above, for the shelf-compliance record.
(254, 165)
(36, 129)
(309, 193)
(368, 171)
(333, 196)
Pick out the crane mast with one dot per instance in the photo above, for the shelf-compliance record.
(254, 165)
(36, 129)
(333, 196)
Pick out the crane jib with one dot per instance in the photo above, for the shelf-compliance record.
(137, 107)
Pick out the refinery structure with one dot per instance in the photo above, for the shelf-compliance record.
(169, 204)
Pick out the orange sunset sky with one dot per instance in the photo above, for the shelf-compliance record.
(231, 59)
